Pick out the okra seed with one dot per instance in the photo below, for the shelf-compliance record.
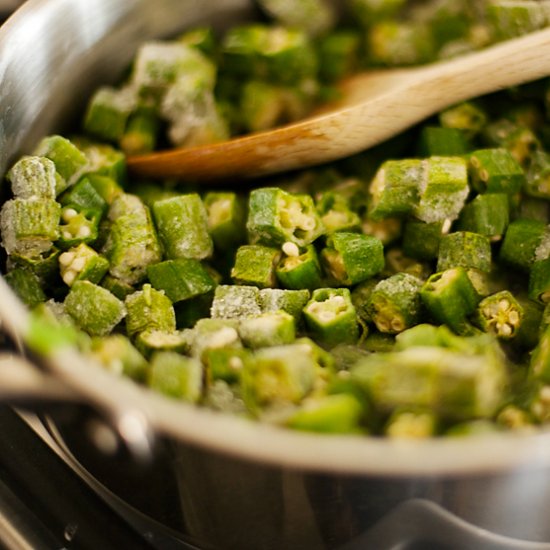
(446, 227)
(506, 329)
(78, 264)
(291, 249)
(504, 304)
(66, 258)
(69, 214)
(513, 317)
(84, 232)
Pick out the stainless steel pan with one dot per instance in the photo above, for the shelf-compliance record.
(230, 483)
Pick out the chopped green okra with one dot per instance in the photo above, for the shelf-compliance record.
(421, 240)
(84, 195)
(181, 279)
(226, 219)
(468, 117)
(299, 269)
(331, 317)
(521, 240)
(149, 309)
(450, 298)
(336, 213)
(273, 328)
(440, 141)
(26, 286)
(351, 258)
(255, 265)
(500, 314)
(78, 226)
(488, 214)
(235, 302)
(226, 363)
(496, 171)
(182, 226)
(276, 217)
(176, 376)
(94, 308)
(411, 424)
(464, 249)
(509, 18)
(539, 281)
(82, 263)
(394, 303)
(151, 341)
(141, 132)
(289, 301)
(538, 175)
(214, 334)
(33, 177)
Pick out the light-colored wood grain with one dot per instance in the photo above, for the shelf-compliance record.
(373, 107)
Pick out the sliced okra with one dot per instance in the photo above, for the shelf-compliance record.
(360, 297)
(521, 240)
(379, 342)
(440, 141)
(94, 309)
(262, 105)
(538, 175)
(488, 214)
(33, 177)
(29, 226)
(70, 162)
(117, 354)
(78, 225)
(236, 302)
(176, 376)
(457, 385)
(387, 230)
(369, 11)
(117, 287)
(539, 281)
(510, 19)
(467, 116)
(531, 324)
(26, 285)
(255, 265)
(411, 424)
(151, 341)
(464, 249)
(331, 317)
(226, 219)
(299, 268)
(398, 262)
(181, 279)
(108, 111)
(84, 195)
(190, 311)
(339, 54)
(289, 301)
(45, 266)
(351, 258)
(421, 240)
(276, 378)
(338, 413)
(132, 242)
(149, 309)
(82, 263)
(273, 328)
(450, 298)
(140, 133)
(104, 160)
(336, 213)
(210, 334)
(182, 225)
(394, 303)
(442, 190)
(495, 171)
(394, 190)
(276, 217)
(226, 363)
(500, 313)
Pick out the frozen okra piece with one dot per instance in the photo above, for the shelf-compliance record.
(158, 65)
(340, 413)
(118, 355)
(214, 334)
(388, 230)
(235, 302)
(331, 317)
(539, 364)
(182, 225)
(440, 141)
(369, 11)
(94, 308)
(421, 240)
(464, 249)
(277, 378)
(339, 54)
(539, 281)
(226, 363)
(262, 105)
(181, 279)
(84, 195)
(255, 265)
(488, 214)
(149, 309)
(141, 132)
(450, 298)
(82, 263)
(538, 175)
(395, 187)
(150, 341)
(442, 190)
(351, 258)
(29, 226)
(33, 177)
(276, 217)
(108, 112)
(467, 117)
(512, 18)
(226, 218)
(411, 424)
(299, 268)
(45, 266)
(495, 171)
(289, 301)
(394, 303)
(521, 241)
(70, 161)
(176, 376)
(26, 285)
(78, 225)
(132, 243)
(273, 328)
(500, 314)
(336, 213)
(202, 38)
(313, 16)
(453, 384)
(108, 162)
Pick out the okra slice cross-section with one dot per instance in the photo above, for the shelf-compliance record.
(500, 314)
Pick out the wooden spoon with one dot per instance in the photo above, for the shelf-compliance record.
(374, 106)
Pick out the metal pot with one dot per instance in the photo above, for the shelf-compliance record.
(218, 481)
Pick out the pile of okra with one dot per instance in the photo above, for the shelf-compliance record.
(401, 292)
